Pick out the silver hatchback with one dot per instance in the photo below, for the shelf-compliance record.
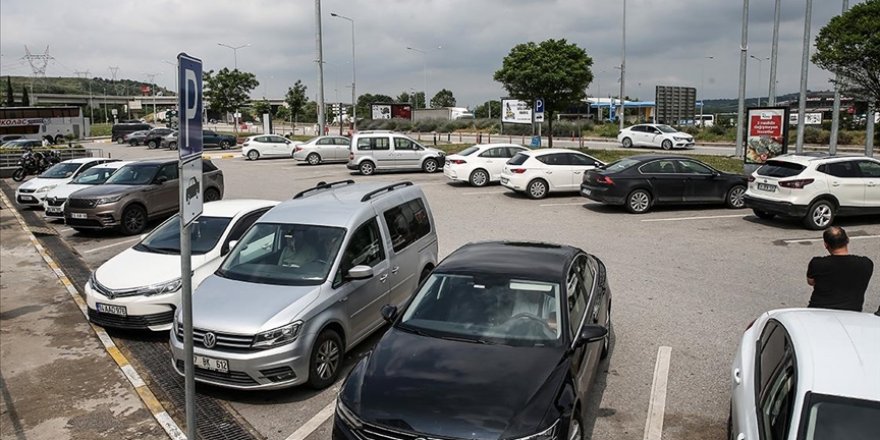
(373, 151)
(306, 283)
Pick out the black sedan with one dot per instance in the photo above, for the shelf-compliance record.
(503, 340)
(640, 182)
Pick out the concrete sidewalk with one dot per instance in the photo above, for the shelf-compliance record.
(56, 379)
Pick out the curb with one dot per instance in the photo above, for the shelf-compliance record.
(220, 156)
(147, 397)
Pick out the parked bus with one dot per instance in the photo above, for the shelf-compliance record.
(51, 123)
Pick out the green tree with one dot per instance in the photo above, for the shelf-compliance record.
(296, 99)
(228, 90)
(310, 112)
(25, 99)
(554, 70)
(365, 101)
(483, 110)
(10, 99)
(261, 107)
(443, 98)
(403, 98)
(849, 46)
(418, 100)
(282, 113)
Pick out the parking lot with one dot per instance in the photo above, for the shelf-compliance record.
(686, 281)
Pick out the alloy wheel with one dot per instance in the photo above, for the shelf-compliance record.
(737, 197)
(822, 215)
(253, 155)
(574, 429)
(314, 159)
(479, 178)
(327, 359)
(639, 201)
(538, 189)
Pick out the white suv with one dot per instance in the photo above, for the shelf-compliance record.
(373, 151)
(815, 188)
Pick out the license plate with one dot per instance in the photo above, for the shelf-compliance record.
(206, 363)
(505, 180)
(53, 209)
(586, 192)
(26, 197)
(111, 309)
(767, 187)
(77, 215)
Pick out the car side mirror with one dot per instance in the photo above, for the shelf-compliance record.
(161, 179)
(360, 272)
(389, 312)
(716, 174)
(228, 247)
(287, 142)
(591, 333)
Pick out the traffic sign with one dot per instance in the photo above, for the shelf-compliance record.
(191, 189)
(539, 110)
(189, 75)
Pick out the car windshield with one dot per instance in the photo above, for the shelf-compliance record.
(94, 176)
(165, 239)
(494, 309)
(666, 129)
(133, 175)
(468, 151)
(285, 254)
(620, 165)
(61, 171)
(778, 168)
(832, 418)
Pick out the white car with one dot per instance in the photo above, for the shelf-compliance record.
(53, 204)
(480, 165)
(34, 191)
(815, 188)
(654, 135)
(323, 149)
(140, 287)
(811, 374)
(540, 172)
(266, 145)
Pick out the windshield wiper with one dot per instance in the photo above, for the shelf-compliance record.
(467, 339)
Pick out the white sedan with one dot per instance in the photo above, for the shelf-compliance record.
(140, 287)
(34, 191)
(480, 165)
(654, 135)
(810, 374)
(266, 145)
(55, 199)
(540, 172)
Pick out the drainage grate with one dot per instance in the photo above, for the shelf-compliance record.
(215, 420)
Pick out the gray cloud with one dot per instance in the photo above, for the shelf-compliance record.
(667, 41)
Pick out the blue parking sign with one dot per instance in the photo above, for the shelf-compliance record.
(189, 78)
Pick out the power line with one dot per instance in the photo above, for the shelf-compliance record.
(38, 62)
(114, 70)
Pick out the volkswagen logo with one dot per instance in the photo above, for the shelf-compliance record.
(209, 340)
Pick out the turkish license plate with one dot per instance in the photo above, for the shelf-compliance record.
(23, 197)
(112, 310)
(53, 209)
(206, 363)
(586, 192)
(767, 187)
(505, 180)
(79, 215)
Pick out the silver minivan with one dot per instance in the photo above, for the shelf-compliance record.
(373, 151)
(306, 283)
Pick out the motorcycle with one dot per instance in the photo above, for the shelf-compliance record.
(35, 163)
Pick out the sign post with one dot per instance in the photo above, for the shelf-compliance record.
(189, 75)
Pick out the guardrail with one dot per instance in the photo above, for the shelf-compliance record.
(9, 161)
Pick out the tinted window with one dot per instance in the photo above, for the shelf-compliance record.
(341, 141)
(772, 350)
(620, 165)
(208, 166)
(576, 294)
(776, 406)
(468, 151)
(519, 159)
(373, 143)
(206, 232)
(133, 175)
(407, 223)
(554, 159)
(264, 139)
(691, 167)
(639, 128)
(168, 171)
(494, 153)
(325, 141)
(581, 159)
(662, 166)
(778, 168)
(403, 144)
(833, 418)
(843, 169)
(365, 248)
(869, 168)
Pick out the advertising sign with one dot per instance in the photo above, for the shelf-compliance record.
(189, 78)
(767, 135)
(515, 111)
(135, 105)
(809, 118)
(401, 111)
(21, 122)
(381, 111)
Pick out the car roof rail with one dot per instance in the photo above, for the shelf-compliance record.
(374, 131)
(321, 186)
(385, 189)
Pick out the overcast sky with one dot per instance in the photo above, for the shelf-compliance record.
(667, 41)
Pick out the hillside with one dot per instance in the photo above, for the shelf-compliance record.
(76, 86)
(730, 105)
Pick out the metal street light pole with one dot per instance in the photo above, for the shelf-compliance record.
(774, 54)
(173, 64)
(805, 65)
(152, 77)
(760, 73)
(425, 69)
(743, 61)
(234, 52)
(703, 95)
(623, 70)
(319, 47)
(353, 72)
(835, 114)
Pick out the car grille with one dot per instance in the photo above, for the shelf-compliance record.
(231, 378)
(113, 293)
(55, 201)
(26, 201)
(228, 341)
(26, 191)
(83, 203)
(372, 432)
(131, 322)
(82, 222)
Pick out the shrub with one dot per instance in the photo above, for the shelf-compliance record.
(844, 137)
(813, 135)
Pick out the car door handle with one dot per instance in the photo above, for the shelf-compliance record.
(344, 299)
(395, 269)
(872, 183)
(737, 376)
(835, 183)
(383, 278)
(578, 172)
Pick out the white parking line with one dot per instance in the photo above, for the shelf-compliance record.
(657, 403)
(675, 219)
(112, 245)
(479, 193)
(313, 423)
(565, 204)
(816, 240)
(64, 230)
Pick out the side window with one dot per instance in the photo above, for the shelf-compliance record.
(691, 167)
(168, 171)
(341, 141)
(638, 128)
(493, 153)
(325, 141)
(86, 166)
(553, 159)
(262, 139)
(365, 248)
(587, 272)
(577, 300)
(581, 159)
(407, 223)
(364, 144)
(776, 382)
(241, 227)
(843, 169)
(658, 167)
(869, 168)
(381, 143)
(403, 144)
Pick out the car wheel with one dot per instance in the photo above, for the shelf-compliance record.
(575, 428)
(224, 145)
(19, 174)
(367, 168)
(211, 194)
(172, 145)
(313, 159)
(763, 214)
(479, 178)
(638, 201)
(606, 344)
(134, 220)
(666, 145)
(430, 165)
(820, 215)
(537, 189)
(735, 197)
(152, 145)
(326, 360)
(627, 143)
(59, 140)
(253, 155)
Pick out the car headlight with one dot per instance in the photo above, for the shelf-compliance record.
(679, 138)
(110, 199)
(548, 434)
(160, 288)
(278, 336)
(45, 188)
(348, 416)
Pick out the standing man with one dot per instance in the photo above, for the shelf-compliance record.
(839, 280)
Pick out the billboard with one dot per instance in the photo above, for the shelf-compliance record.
(391, 111)
(515, 111)
(674, 104)
(809, 118)
(767, 135)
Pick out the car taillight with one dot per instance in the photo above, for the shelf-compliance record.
(751, 179)
(604, 180)
(298, 149)
(245, 144)
(517, 170)
(350, 155)
(796, 184)
(457, 161)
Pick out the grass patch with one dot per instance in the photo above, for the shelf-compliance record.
(101, 129)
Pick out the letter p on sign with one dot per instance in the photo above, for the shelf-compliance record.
(189, 75)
